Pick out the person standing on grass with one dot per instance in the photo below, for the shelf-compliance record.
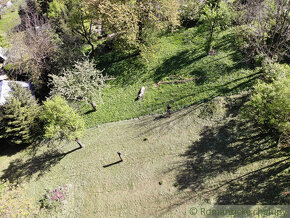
(120, 155)
(169, 111)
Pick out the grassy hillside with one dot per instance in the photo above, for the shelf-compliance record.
(175, 56)
(9, 19)
(204, 154)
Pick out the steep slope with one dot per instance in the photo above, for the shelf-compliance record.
(173, 57)
(202, 154)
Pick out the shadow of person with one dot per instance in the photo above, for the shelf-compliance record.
(90, 111)
(111, 164)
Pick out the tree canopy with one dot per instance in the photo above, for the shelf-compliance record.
(81, 83)
(19, 123)
(126, 20)
(60, 120)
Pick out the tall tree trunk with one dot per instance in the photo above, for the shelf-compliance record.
(142, 17)
(93, 51)
(94, 106)
(139, 24)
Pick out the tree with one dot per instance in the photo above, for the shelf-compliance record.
(44, 5)
(74, 15)
(125, 21)
(265, 29)
(33, 50)
(129, 20)
(32, 53)
(269, 103)
(20, 113)
(215, 15)
(61, 122)
(82, 83)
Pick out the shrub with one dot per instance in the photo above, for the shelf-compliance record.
(269, 105)
(19, 116)
(54, 199)
(274, 71)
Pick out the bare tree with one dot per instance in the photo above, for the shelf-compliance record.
(33, 48)
(86, 31)
(267, 32)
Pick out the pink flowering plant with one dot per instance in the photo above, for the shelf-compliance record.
(54, 198)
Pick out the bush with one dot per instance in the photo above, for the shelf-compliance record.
(19, 116)
(269, 105)
(9, 67)
(13, 202)
(274, 71)
(53, 199)
(60, 120)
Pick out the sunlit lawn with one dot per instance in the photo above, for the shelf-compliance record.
(202, 154)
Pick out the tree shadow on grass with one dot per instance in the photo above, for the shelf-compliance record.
(9, 150)
(126, 70)
(265, 186)
(179, 61)
(226, 42)
(19, 170)
(179, 115)
(204, 68)
(231, 148)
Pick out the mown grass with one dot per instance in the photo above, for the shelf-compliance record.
(205, 154)
(173, 56)
(9, 19)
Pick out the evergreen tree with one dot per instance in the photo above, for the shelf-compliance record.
(19, 116)
(269, 103)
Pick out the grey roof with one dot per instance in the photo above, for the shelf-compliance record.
(5, 89)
